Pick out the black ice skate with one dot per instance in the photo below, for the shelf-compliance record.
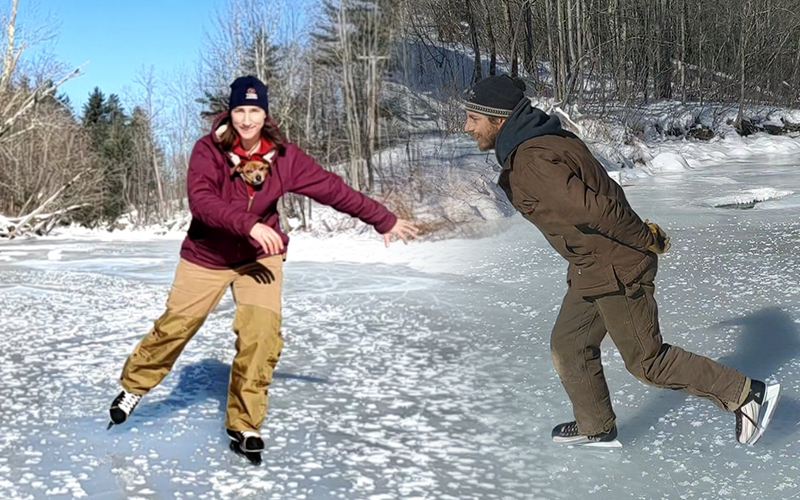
(122, 407)
(567, 433)
(247, 444)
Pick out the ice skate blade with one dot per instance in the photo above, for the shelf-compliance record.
(602, 444)
(591, 444)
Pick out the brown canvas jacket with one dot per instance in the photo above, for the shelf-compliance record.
(558, 185)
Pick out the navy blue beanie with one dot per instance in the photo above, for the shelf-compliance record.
(249, 91)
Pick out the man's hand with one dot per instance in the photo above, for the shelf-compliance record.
(402, 229)
(268, 238)
(662, 240)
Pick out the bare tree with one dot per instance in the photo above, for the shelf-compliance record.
(41, 145)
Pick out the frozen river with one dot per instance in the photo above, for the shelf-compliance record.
(423, 377)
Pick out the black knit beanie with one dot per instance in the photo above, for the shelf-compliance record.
(249, 91)
(495, 96)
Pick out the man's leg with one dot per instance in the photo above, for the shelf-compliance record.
(631, 317)
(257, 324)
(195, 292)
(575, 347)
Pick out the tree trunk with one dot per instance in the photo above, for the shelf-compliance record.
(351, 109)
(700, 81)
(625, 50)
(492, 41)
(156, 172)
(795, 74)
(682, 61)
(476, 48)
(602, 69)
(742, 67)
(530, 64)
(12, 51)
(571, 36)
(512, 29)
(664, 65)
(618, 50)
(562, 49)
(551, 49)
(580, 27)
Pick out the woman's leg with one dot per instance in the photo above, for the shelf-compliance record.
(195, 292)
(257, 324)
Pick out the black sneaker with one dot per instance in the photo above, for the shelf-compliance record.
(247, 441)
(756, 412)
(122, 407)
(567, 433)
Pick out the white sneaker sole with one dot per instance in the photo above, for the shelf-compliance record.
(771, 398)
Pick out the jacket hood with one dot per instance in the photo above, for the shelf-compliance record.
(221, 123)
(525, 122)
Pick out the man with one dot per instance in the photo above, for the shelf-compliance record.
(551, 177)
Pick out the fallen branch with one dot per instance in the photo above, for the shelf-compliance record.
(41, 224)
(33, 214)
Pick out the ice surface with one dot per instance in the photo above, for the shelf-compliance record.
(417, 372)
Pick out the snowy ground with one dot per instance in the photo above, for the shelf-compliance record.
(418, 372)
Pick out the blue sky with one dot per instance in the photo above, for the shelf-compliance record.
(119, 37)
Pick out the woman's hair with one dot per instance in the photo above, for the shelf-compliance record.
(269, 131)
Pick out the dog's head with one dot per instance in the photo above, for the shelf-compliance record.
(253, 172)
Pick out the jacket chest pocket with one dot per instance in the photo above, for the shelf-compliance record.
(526, 207)
(524, 204)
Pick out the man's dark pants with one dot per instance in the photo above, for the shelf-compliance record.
(630, 316)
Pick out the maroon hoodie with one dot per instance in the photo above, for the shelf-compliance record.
(223, 212)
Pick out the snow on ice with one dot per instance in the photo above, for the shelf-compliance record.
(419, 371)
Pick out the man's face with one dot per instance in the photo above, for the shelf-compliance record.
(483, 129)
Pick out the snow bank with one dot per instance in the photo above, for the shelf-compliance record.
(746, 199)
(668, 162)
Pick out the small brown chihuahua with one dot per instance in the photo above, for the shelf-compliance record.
(253, 172)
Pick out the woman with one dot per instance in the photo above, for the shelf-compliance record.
(235, 241)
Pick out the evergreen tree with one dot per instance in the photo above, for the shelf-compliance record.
(107, 124)
(214, 102)
(117, 151)
(261, 58)
(95, 117)
(368, 28)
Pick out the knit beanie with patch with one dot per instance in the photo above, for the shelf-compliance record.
(249, 91)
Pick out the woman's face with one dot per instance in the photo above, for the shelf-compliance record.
(248, 121)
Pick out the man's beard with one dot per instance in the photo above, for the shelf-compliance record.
(487, 141)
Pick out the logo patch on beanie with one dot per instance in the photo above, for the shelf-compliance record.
(251, 94)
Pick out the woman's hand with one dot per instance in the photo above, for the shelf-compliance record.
(402, 229)
(268, 238)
